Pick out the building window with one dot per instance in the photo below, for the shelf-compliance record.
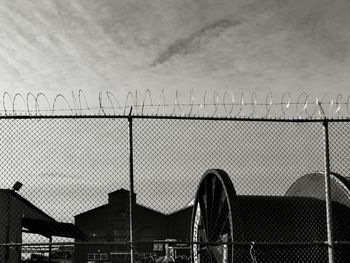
(158, 247)
(97, 256)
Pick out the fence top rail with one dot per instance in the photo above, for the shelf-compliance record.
(226, 105)
(170, 117)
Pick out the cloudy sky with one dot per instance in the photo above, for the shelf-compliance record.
(52, 47)
(62, 46)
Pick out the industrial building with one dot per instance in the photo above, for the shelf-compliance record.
(110, 223)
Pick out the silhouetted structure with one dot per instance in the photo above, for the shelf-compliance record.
(110, 222)
(290, 228)
(18, 213)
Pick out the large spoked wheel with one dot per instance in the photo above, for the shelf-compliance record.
(215, 218)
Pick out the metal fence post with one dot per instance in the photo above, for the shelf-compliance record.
(131, 190)
(330, 240)
(8, 208)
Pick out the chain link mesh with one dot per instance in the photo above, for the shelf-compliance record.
(205, 190)
(340, 187)
(67, 167)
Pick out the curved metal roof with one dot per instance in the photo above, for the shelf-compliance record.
(313, 185)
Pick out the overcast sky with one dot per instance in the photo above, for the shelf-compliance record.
(51, 47)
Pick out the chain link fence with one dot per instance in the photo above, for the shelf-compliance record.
(160, 189)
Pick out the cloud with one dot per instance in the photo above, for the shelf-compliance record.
(192, 43)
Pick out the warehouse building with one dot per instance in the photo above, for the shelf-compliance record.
(110, 223)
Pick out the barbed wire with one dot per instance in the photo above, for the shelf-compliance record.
(227, 104)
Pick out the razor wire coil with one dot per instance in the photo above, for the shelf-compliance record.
(306, 106)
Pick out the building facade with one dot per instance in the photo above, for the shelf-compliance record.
(110, 223)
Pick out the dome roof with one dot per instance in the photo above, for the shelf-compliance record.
(313, 185)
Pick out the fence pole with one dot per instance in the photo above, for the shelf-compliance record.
(8, 208)
(328, 195)
(131, 190)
